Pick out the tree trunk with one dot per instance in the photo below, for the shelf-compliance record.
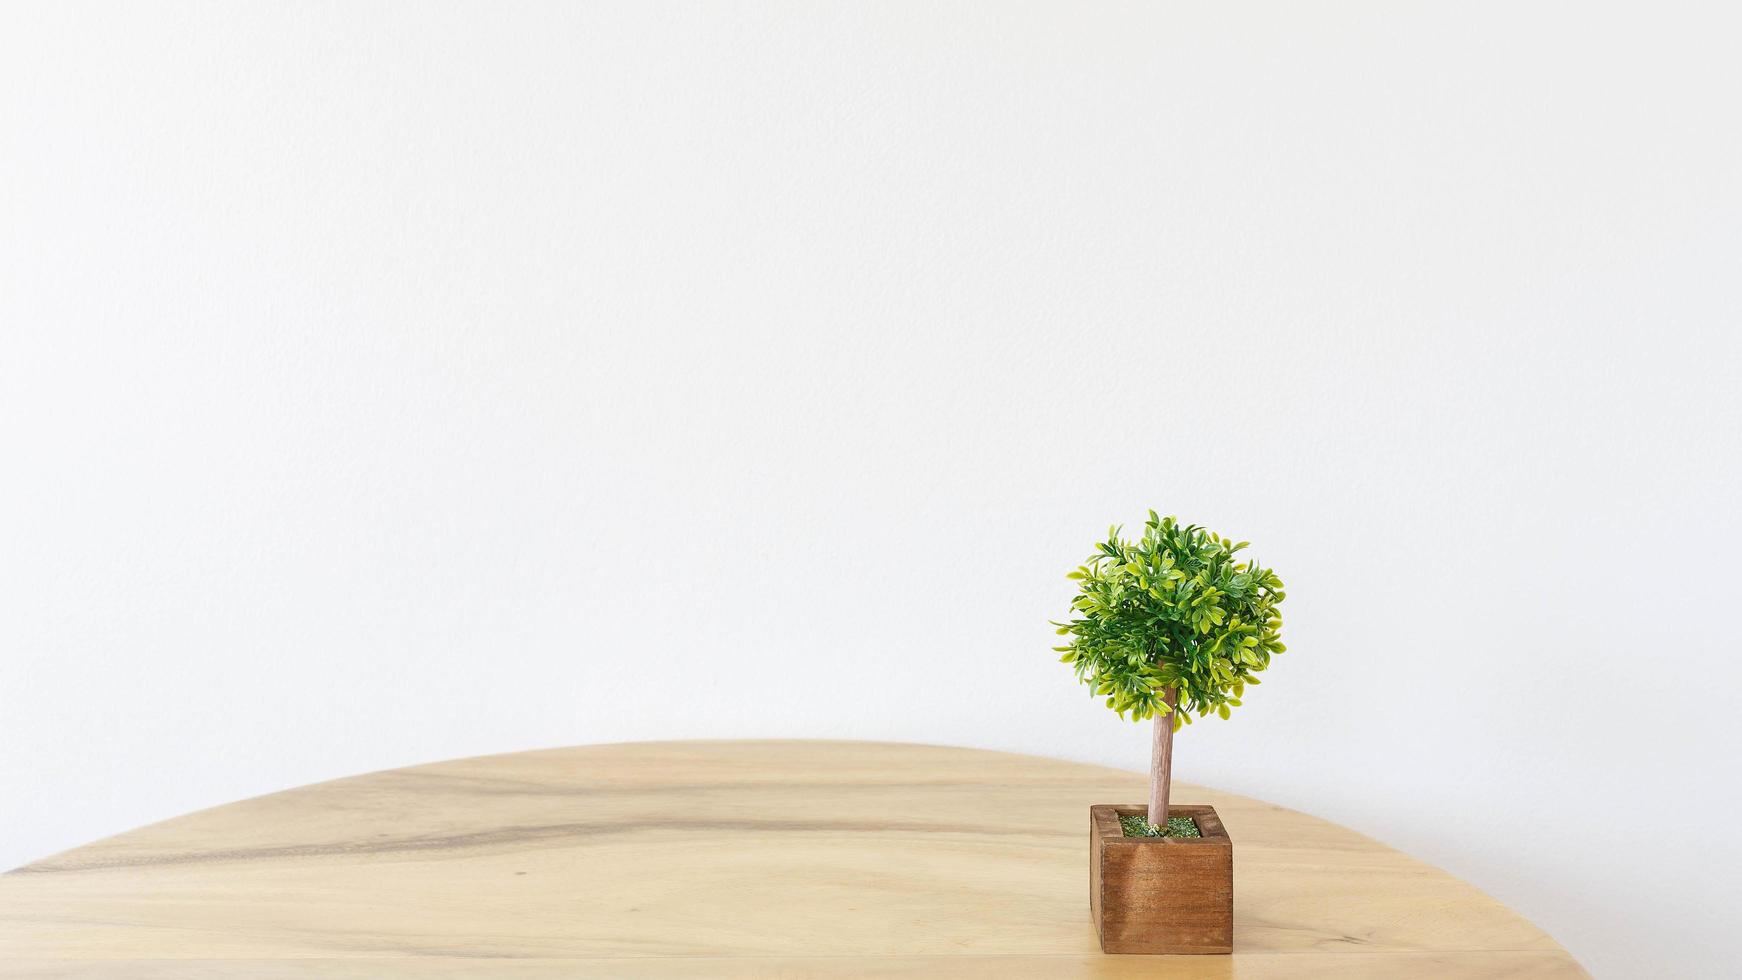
(1161, 763)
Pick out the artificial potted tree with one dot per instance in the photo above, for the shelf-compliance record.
(1165, 627)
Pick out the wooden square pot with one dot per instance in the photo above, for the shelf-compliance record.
(1161, 894)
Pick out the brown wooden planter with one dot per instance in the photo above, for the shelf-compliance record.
(1161, 894)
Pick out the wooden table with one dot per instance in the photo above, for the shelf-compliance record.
(719, 859)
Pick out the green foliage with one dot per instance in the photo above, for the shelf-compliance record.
(1173, 611)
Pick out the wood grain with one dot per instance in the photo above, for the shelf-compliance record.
(718, 859)
(1161, 895)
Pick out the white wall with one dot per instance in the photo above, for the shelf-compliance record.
(385, 383)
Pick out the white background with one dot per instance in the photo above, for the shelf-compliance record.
(386, 383)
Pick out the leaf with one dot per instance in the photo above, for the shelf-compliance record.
(1170, 609)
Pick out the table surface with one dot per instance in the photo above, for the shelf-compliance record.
(711, 859)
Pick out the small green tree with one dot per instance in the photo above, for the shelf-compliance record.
(1170, 625)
